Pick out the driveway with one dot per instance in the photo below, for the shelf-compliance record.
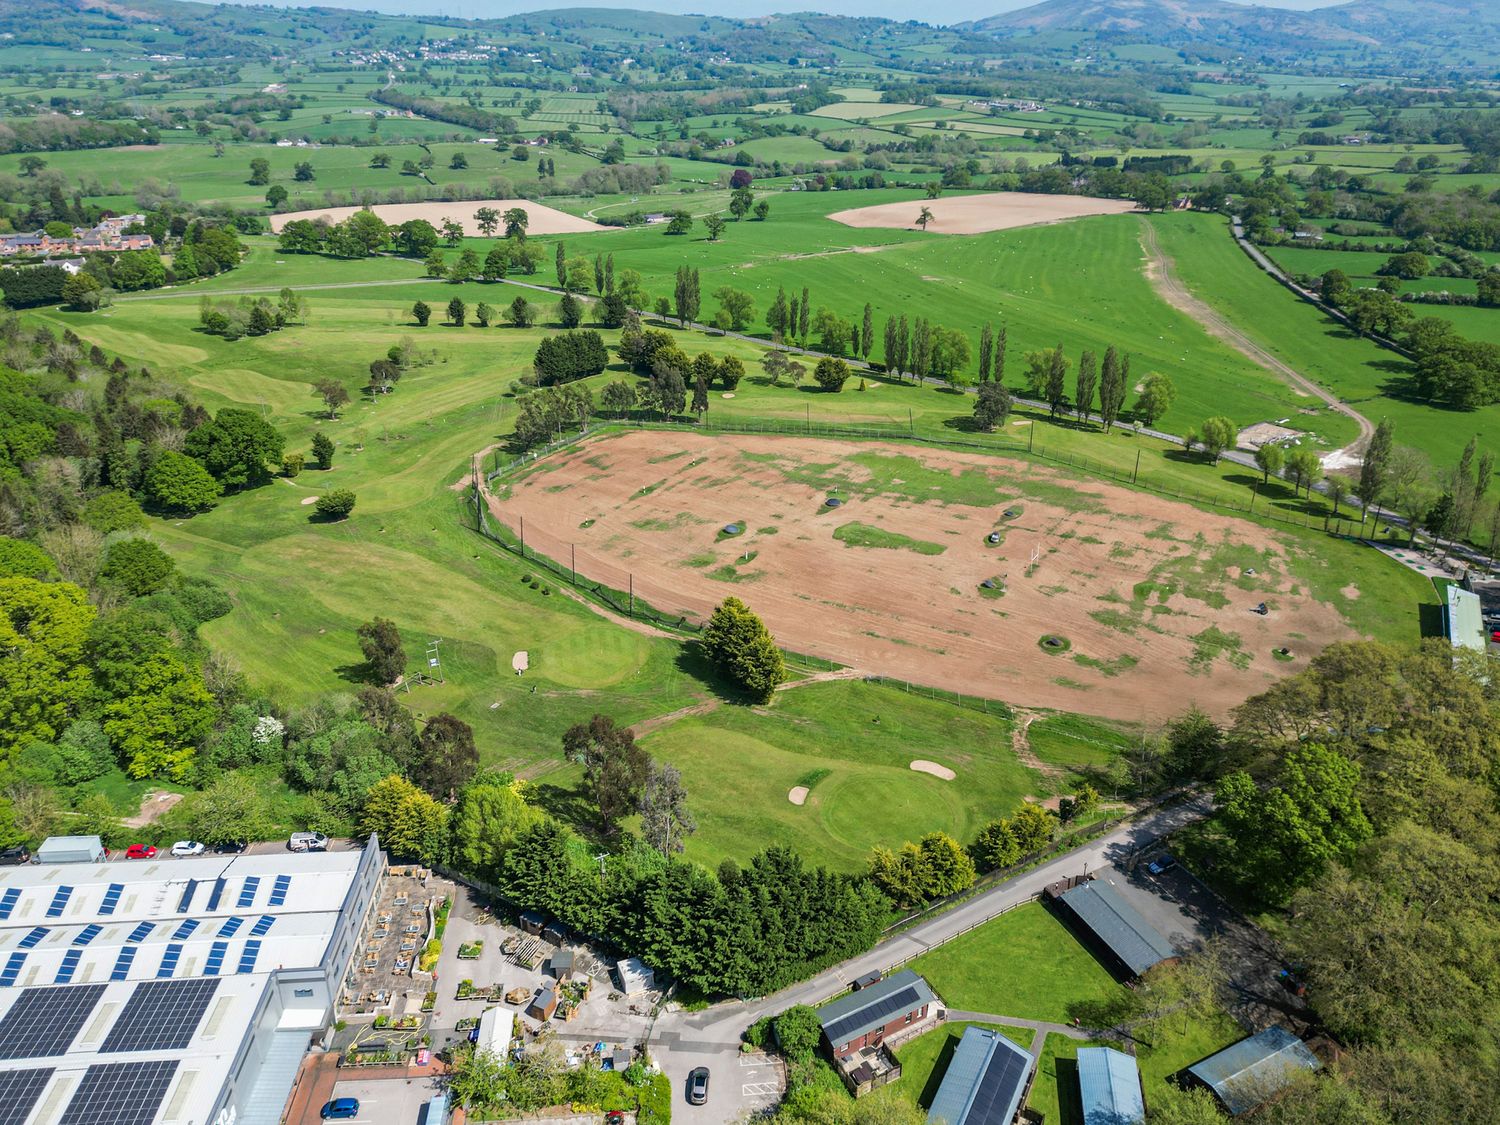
(389, 1101)
(738, 1084)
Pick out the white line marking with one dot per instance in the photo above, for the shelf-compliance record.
(757, 1089)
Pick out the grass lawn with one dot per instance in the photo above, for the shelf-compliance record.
(1025, 964)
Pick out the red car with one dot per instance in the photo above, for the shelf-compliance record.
(141, 851)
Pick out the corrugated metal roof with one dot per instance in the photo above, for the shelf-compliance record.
(1249, 1072)
(1117, 924)
(1109, 1085)
(984, 1081)
(851, 1016)
(1463, 619)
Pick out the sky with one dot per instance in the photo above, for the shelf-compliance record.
(955, 11)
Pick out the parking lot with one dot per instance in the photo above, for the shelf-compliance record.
(389, 1101)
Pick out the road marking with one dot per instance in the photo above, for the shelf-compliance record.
(757, 1089)
(754, 1059)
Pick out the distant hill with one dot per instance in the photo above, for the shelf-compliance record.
(1394, 29)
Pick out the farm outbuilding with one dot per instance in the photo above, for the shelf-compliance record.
(865, 1018)
(1126, 940)
(1253, 1070)
(1109, 1087)
(986, 1081)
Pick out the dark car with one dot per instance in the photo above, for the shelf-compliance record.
(1164, 862)
(234, 847)
(14, 857)
(340, 1108)
(697, 1086)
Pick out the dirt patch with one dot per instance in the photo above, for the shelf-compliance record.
(542, 220)
(1264, 433)
(154, 803)
(1350, 591)
(797, 794)
(922, 765)
(977, 214)
(520, 662)
(1138, 583)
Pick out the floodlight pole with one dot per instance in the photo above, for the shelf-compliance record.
(523, 536)
(573, 560)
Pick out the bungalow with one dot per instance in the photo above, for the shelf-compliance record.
(986, 1082)
(1109, 1087)
(867, 1017)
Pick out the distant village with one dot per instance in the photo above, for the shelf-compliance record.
(108, 236)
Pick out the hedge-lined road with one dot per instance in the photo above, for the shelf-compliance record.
(739, 1085)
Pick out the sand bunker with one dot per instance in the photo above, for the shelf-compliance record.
(306, 500)
(542, 220)
(977, 214)
(922, 765)
(797, 794)
(520, 662)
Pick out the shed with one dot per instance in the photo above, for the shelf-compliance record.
(635, 977)
(435, 1112)
(532, 922)
(864, 1018)
(867, 980)
(544, 1005)
(1463, 619)
(1117, 927)
(1248, 1073)
(1109, 1087)
(495, 1026)
(986, 1081)
(71, 849)
(555, 932)
(622, 1058)
(562, 963)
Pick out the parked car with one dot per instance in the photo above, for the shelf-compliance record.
(231, 847)
(697, 1087)
(184, 848)
(307, 842)
(14, 857)
(141, 851)
(1164, 862)
(340, 1109)
(614, 1117)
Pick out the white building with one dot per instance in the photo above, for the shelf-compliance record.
(171, 991)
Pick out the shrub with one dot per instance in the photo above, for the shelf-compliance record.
(570, 356)
(335, 505)
(831, 374)
(137, 566)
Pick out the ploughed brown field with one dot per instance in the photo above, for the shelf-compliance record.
(977, 214)
(1149, 601)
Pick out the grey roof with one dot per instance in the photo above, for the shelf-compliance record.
(1109, 1086)
(1117, 924)
(984, 1081)
(1247, 1073)
(853, 1015)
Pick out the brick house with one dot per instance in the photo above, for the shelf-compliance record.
(873, 1014)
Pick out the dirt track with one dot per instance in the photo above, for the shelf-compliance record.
(979, 214)
(1152, 594)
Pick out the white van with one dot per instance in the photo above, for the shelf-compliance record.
(307, 842)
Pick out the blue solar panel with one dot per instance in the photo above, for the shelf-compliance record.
(278, 890)
(231, 926)
(187, 896)
(140, 932)
(218, 893)
(215, 958)
(12, 969)
(59, 902)
(247, 958)
(69, 965)
(111, 898)
(123, 963)
(263, 927)
(8, 902)
(169, 961)
(247, 892)
(185, 930)
(88, 934)
(32, 939)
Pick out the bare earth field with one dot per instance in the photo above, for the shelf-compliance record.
(978, 214)
(544, 220)
(1151, 600)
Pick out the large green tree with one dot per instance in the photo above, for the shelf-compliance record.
(238, 447)
(615, 768)
(741, 647)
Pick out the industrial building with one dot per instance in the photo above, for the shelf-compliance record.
(1116, 930)
(171, 991)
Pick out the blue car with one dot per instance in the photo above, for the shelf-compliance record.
(1163, 862)
(341, 1109)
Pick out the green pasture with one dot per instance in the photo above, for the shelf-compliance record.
(1373, 380)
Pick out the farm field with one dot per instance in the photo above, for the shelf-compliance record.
(980, 214)
(542, 219)
(1094, 592)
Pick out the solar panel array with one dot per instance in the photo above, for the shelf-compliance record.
(187, 896)
(33, 938)
(12, 970)
(876, 1013)
(111, 898)
(215, 960)
(8, 902)
(20, 1090)
(44, 1021)
(279, 889)
(140, 932)
(69, 966)
(997, 1089)
(161, 1015)
(247, 892)
(185, 930)
(88, 933)
(218, 892)
(123, 963)
(263, 927)
(231, 926)
(120, 1094)
(247, 958)
(169, 960)
(59, 901)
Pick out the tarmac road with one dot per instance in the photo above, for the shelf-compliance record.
(740, 1085)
